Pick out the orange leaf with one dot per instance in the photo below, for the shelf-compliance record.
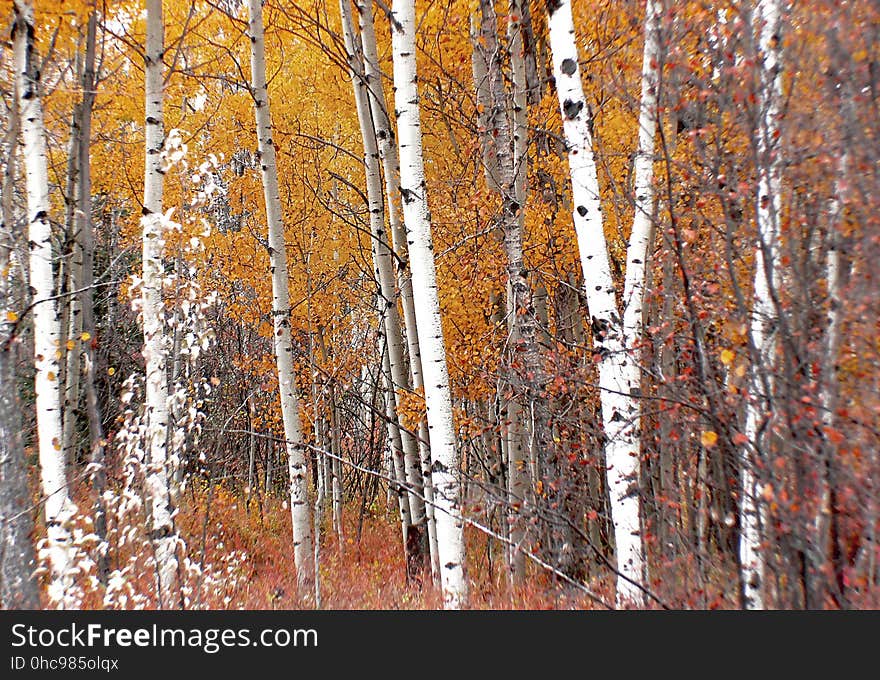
(834, 436)
(708, 438)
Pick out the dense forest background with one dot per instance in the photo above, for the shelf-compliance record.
(448, 303)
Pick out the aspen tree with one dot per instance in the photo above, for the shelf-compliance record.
(391, 170)
(18, 586)
(438, 397)
(762, 335)
(58, 507)
(296, 453)
(84, 226)
(836, 270)
(505, 143)
(71, 322)
(163, 532)
(615, 337)
(384, 273)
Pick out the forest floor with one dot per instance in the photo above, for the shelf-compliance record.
(243, 557)
(363, 568)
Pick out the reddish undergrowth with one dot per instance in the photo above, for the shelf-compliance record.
(363, 567)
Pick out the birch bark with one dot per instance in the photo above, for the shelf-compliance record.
(391, 171)
(505, 141)
(84, 225)
(384, 275)
(57, 505)
(762, 335)
(18, 586)
(299, 506)
(397, 469)
(71, 324)
(438, 398)
(837, 270)
(162, 531)
(615, 339)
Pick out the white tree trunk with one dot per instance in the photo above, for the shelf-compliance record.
(836, 273)
(162, 531)
(638, 248)
(74, 270)
(299, 506)
(504, 158)
(335, 469)
(438, 398)
(528, 438)
(480, 71)
(47, 331)
(397, 467)
(84, 226)
(391, 169)
(382, 264)
(18, 584)
(637, 253)
(828, 395)
(615, 341)
(519, 80)
(764, 314)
